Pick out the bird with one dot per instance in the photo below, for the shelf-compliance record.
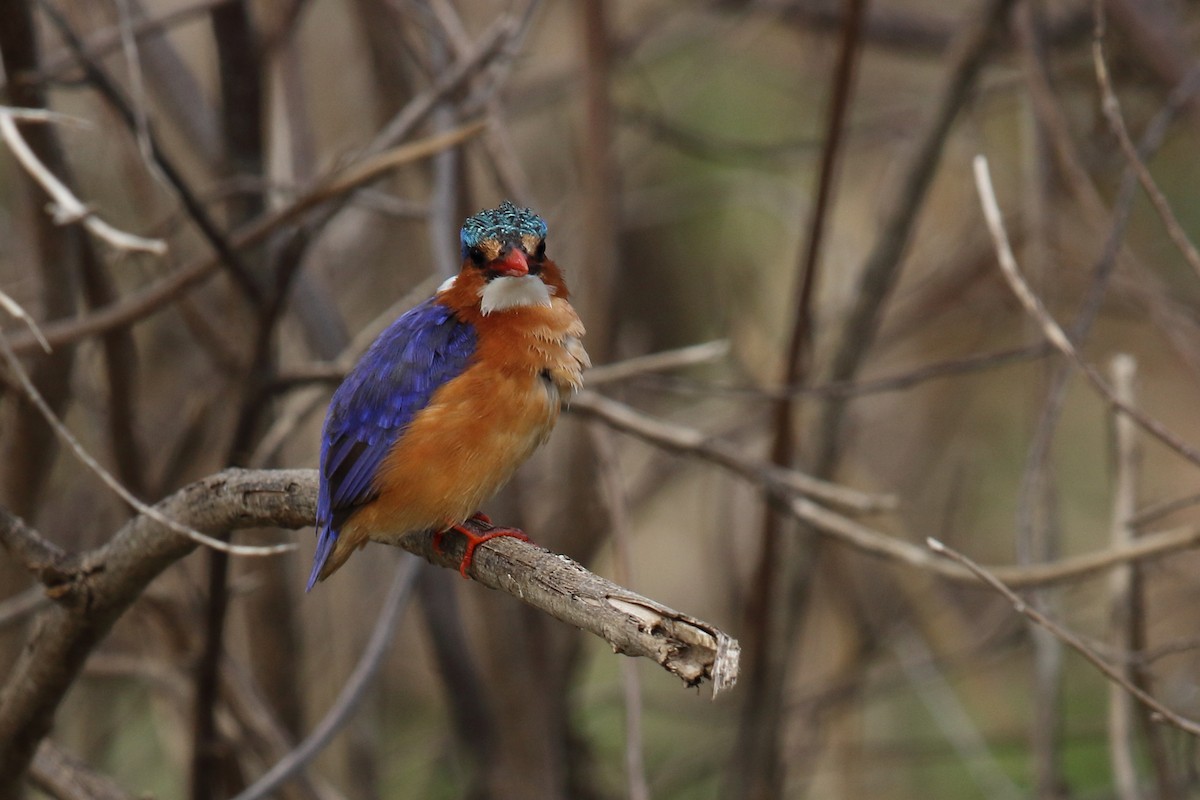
(451, 398)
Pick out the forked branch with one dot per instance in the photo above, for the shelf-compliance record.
(91, 590)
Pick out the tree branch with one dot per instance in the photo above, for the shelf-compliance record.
(1163, 713)
(64, 777)
(93, 589)
(634, 625)
(156, 296)
(65, 207)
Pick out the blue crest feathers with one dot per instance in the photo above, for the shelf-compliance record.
(503, 223)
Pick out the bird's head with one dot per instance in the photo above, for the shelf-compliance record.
(504, 261)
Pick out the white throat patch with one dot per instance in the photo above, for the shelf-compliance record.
(513, 292)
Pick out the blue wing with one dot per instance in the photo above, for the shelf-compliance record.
(420, 351)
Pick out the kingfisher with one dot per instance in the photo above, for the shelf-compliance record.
(451, 398)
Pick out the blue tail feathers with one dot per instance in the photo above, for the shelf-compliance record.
(326, 539)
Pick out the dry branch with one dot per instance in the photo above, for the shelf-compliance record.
(1046, 573)
(680, 438)
(158, 295)
(1051, 330)
(788, 484)
(1116, 123)
(65, 207)
(632, 624)
(351, 694)
(64, 777)
(1068, 638)
(882, 268)
(91, 591)
(1123, 586)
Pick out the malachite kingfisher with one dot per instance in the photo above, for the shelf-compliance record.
(449, 400)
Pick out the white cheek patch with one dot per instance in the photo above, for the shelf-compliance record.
(513, 292)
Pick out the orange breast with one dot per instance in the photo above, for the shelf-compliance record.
(480, 427)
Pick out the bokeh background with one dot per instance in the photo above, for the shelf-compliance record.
(676, 150)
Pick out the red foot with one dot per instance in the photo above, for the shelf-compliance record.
(480, 522)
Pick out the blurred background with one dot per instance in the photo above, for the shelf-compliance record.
(791, 178)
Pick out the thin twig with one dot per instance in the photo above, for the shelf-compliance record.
(1064, 570)
(1116, 123)
(14, 309)
(617, 505)
(680, 438)
(65, 207)
(137, 86)
(20, 606)
(1121, 743)
(1067, 637)
(883, 265)
(1156, 511)
(889, 383)
(352, 691)
(109, 480)
(1050, 328)
(101, 43)
(657, 362)
(163, 165)
(140, 304)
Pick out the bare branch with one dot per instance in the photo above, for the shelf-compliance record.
(352, 690)
(65, 207)
(1050, 328)
(691, 442)
(20, 606)
(1067, 637)
(109, 480)
(634, 625)
(93, 589)
(658, 362)
(679, 438)
(158, 295)
(1116, 123)
(876, 543)
(14, 309)
(1123, 587)
(937, 370)
(64, 777)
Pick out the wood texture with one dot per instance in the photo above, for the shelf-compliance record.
(91, 590)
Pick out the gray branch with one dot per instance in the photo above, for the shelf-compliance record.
(91, 590)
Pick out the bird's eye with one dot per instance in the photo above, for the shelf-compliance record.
(477, 256)
(540, 252)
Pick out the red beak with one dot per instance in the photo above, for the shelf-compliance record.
(513, 263)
